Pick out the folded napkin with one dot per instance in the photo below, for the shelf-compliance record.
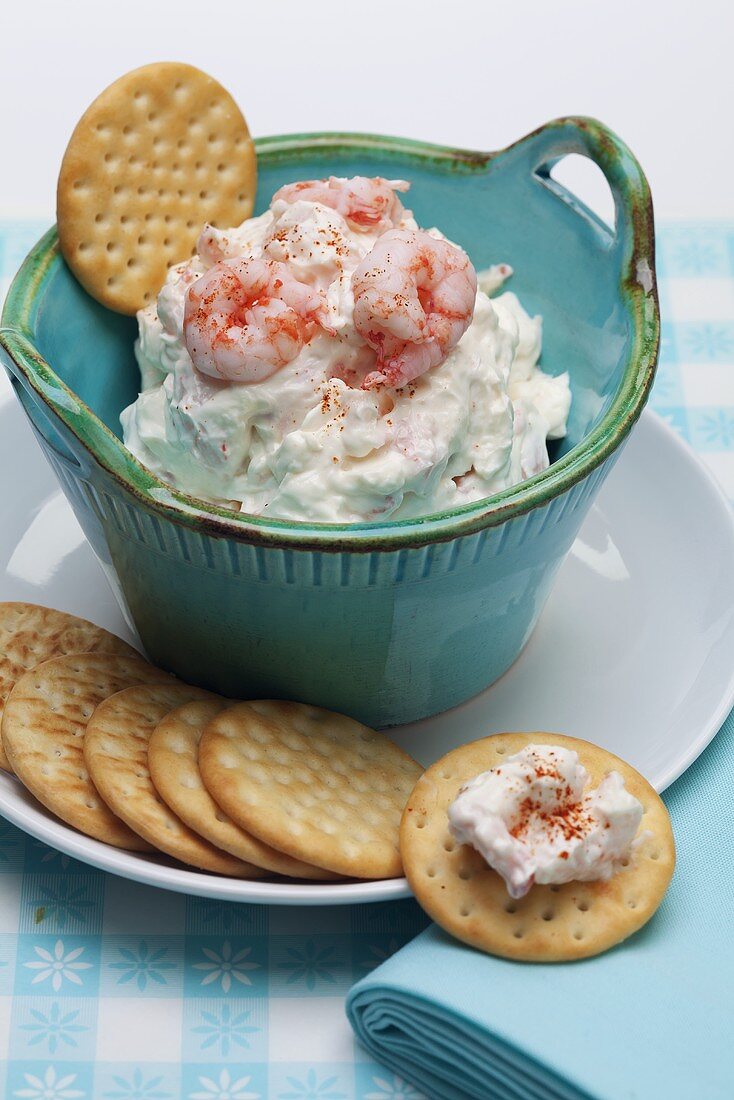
(653, 1019)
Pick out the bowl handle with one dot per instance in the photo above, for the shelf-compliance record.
(632, 238)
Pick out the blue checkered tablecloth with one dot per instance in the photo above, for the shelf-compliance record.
(113, 990)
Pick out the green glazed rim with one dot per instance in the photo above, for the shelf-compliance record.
(633, 238)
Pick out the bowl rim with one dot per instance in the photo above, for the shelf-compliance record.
(634, 240)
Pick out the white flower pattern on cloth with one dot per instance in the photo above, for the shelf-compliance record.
(224, 1088)
(709, 341)
(223, 966)
(310, 964)
(143, 966)
(64, 903)
(312, 1087)
(380, 954)
(49, 1087)
(137, 1088)
(58, 965)
(54, 1028)
(225, 1029)
(394, 1089)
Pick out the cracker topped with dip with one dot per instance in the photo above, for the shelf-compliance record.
(537, 847)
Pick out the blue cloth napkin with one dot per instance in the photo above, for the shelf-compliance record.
(653, 1019)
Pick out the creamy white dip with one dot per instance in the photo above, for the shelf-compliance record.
(533, 820)
(308, 443)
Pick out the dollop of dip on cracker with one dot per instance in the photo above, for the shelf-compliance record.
(533, 820)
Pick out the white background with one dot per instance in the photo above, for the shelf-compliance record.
(459, 72)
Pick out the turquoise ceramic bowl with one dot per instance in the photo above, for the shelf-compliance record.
(394, 621)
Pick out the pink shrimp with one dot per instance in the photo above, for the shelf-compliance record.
(366, 203)
(413, 301)
(245, 319)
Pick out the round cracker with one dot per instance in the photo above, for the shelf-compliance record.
(161, 151)
(458, 890)
(317, 785)
(173, 761)
(116, 754)
(44, 723)
(30, 634)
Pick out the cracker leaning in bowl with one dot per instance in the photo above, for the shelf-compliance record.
(162, 150)
(521, 799)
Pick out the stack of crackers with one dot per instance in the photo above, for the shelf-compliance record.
(127, 754)
(135, 758)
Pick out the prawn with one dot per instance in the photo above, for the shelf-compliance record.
(367, 203)
(245, 319)
(414, 299)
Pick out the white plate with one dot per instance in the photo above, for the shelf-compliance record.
(633, 651)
